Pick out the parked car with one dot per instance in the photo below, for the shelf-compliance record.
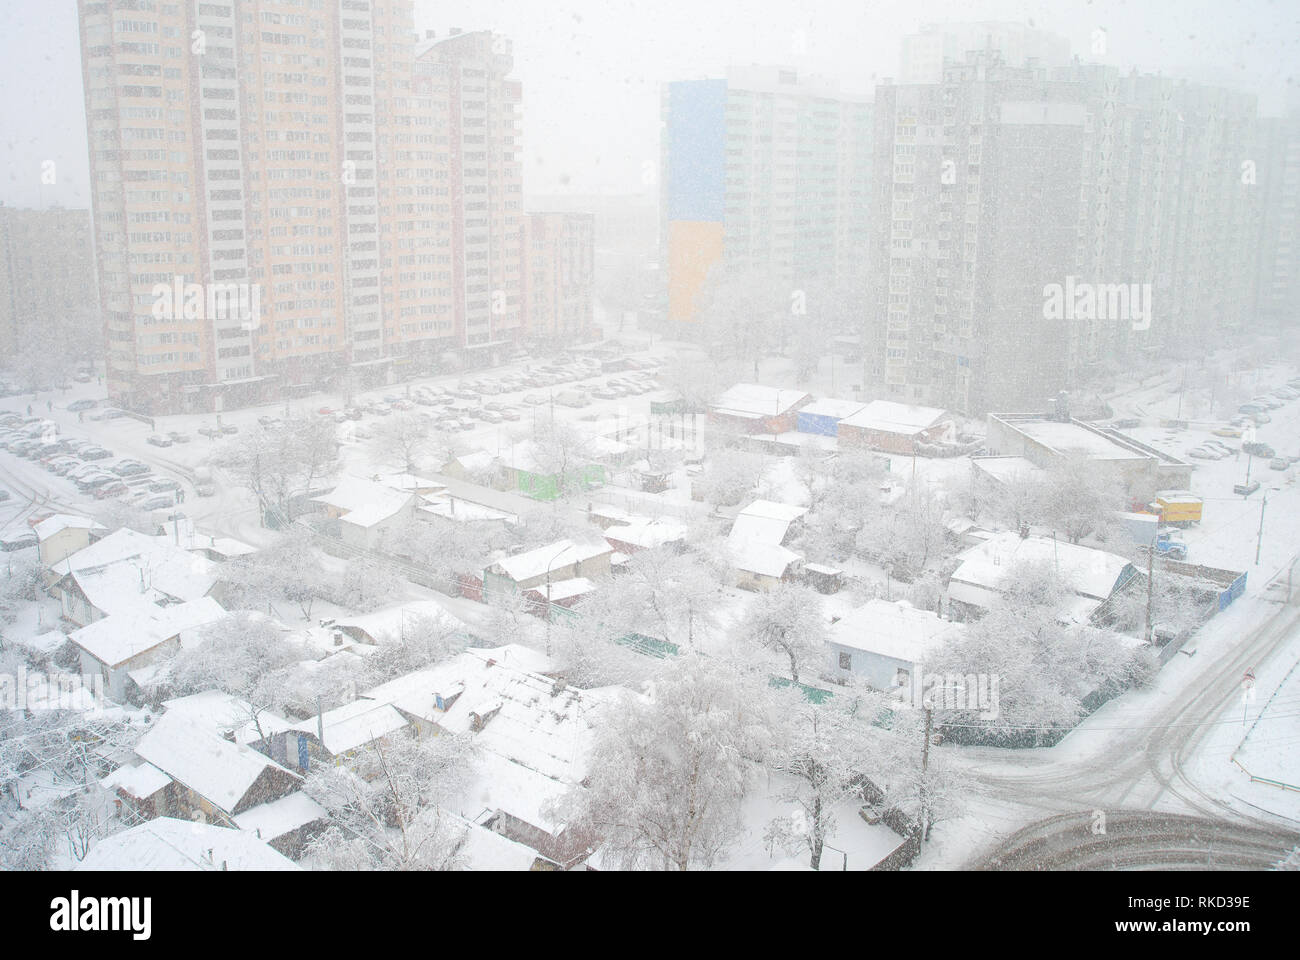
(129, 468)
(510, 413)
(83, 376)
(1227, 432)
(108, 413)
(1279, 463)
(165, 485)
(1246, 489)
(177, 437)
(205, 489)
(1256, 449)
(210, 432)
(158, 440)
(491, 416)
(157, 501)
(267, 421)
(95, 480)
(114, 488)
(78, 405)
(17, 541)
(4, 495)
(1203, 453)
(229, 428)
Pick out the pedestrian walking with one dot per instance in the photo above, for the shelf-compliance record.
(29, 409)
(49, 406)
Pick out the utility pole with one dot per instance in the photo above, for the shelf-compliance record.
(1151, 570)
(925, 765)
(1259, 541)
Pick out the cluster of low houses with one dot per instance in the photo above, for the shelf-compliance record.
(134, 600)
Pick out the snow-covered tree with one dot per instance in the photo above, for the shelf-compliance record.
(407, 442)
(282, 461)
(289, 570)
(668, 772)
(423, 641)
(825, 749)
(789, 620)
(366, 584)
(388, 809)
(730, 475)
(1079, 495)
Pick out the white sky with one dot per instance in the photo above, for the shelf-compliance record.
(591, 69)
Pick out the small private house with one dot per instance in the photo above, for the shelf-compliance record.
(822, 417)
(287, 824)
(168, 843)
(643, 533)
(392, 623)
(335, 736)
(366, 510)
(212, 777)
(886, 643)
(532, 732)
(895, 427)
(757, 547)
(562, 560)
(126, 572)
(116, 645)
(63, 534)
(753, 408)
(982, 571)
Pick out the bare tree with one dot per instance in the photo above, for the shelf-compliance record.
(281, 462)
(789, 620)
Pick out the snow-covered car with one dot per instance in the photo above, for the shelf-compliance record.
(84, 404)
(1201, 453)
(158, 440)
(157, 501)
(205, 489)
(17, 541)
(177, 437)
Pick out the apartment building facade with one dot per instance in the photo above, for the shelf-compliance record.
(1009, 182)
(764, 171)
(558, 252)
(291, 194)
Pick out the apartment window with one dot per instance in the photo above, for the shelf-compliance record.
(846, 660)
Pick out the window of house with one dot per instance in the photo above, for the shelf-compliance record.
(846, 660)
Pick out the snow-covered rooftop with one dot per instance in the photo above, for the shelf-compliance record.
(121, 636)
(564, 589)
(141, 780)
(390, 622)
(364, 502)
(276, 818)
(355, 724)
(218, 770)
(1007, 469)
(170, 844)
(1092, 573)
(127, 570)
(888, 416)
(893, 629)
(1073, 438)
(553, 556)
(220, 713)
(64, 521)
(755, 400)
(646, 533)
(833, 408)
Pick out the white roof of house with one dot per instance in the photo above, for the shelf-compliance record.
(479, 460)
(216, 769)
(364, 502)
(126, 571)
(888, 416)
(276, 818)
(414, 693)
(893, 629)
(355, 724)
(553, 556)
(220, 713)
(830, 407)
(120, 636)
(486, 849)
(64, 521)
(140, 780)
(755, 400)
(564, 589)
(454, 508)
(1092, 573)
(647, 533)
(170, 844)
(754, 542)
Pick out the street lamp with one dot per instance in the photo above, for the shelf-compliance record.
(551, 563)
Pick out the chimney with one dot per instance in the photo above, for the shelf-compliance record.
(338, 638)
